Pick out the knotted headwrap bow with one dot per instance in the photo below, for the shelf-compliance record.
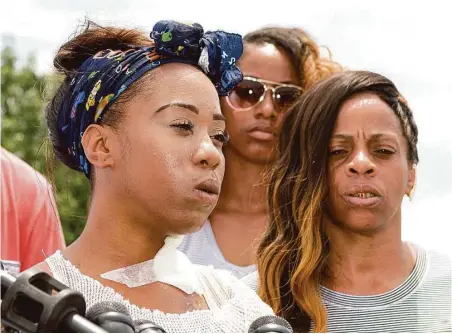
(102, 78)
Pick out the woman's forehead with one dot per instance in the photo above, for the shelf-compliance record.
(367, 113)
(266, 61)
(180, 82)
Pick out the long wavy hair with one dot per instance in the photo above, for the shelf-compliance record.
(293, 252)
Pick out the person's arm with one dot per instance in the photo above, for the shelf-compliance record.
(41, 233)
(44, 267)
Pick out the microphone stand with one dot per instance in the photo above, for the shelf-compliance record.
(35, 302)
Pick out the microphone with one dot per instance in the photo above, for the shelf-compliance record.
(111, 316)
(36, 302)
(7, 281)
(270, 324)
(145, 326)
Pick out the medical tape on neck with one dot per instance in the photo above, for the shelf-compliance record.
(169, 266)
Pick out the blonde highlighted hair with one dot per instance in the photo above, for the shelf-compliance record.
(293, 253)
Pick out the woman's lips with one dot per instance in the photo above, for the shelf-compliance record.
(367, 202)
(264, 133)
(363, 196)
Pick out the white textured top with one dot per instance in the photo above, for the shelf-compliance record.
(422, 303)
(232, 305)
(169, 266)
(201, 248)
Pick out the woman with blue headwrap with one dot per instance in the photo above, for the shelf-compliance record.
(141, 118)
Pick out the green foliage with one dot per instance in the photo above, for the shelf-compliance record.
(24, 134)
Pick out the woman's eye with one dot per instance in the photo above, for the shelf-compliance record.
(222, 137)
(338, 152)
(184, 126)
(385, 151)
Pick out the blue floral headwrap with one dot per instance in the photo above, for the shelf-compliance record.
(102, 78)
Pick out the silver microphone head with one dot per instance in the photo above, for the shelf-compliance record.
(106, 306)
(146, 326)
(111, 316)
(270, 324)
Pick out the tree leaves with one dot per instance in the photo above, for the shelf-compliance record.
(24, 96)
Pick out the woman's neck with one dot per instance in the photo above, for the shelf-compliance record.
(244, 189)
(367, 264)
(240, 216)
(112, 238)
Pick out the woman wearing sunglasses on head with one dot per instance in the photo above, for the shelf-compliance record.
(277, 64)
(141, 118)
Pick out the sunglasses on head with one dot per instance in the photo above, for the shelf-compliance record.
(251, 91)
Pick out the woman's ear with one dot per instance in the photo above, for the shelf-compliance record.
(95, 141)
(411, 184)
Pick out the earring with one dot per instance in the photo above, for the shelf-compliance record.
(411, 192)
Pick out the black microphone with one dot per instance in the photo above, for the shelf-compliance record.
(36, 302)
(7, 281)
(145, 326)
(111, 316)
(270, 324)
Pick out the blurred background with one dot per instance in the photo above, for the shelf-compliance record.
(406, 41)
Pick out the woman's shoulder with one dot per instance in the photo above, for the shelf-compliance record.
(251, 280)
(432, 259)
(20, 172)
(221, 278)
(432, 273)
(43, 266)
(230, 289)
(439, 264)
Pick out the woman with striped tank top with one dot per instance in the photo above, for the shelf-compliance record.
(333, 258)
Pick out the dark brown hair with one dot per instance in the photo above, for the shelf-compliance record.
(301, 49)
(292, 254)
(68, 59)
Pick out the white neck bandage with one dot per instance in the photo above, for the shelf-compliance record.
(169, 266)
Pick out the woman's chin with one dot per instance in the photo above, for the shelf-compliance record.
(189, 226)
(363, 223)
(360, 222)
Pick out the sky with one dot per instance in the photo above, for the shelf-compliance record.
(405, 41)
